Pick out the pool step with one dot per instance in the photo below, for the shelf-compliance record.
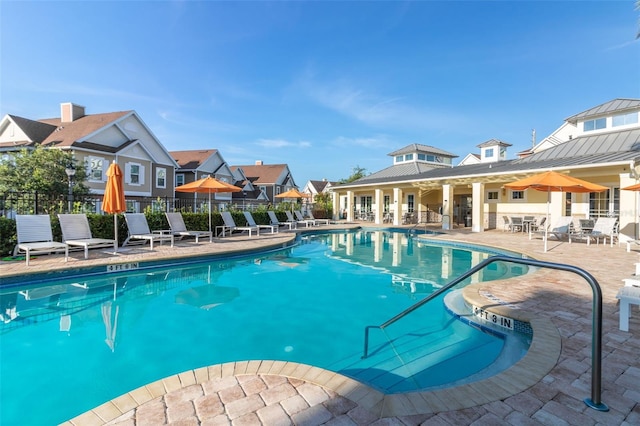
(423, 359)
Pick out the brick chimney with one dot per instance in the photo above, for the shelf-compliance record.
(259, 163)
(70, 112)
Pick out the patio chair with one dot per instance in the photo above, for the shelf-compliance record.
(251, 222)
(318, 221)
(230, 225)
(300, 218)
(274, 221)
(605, 227)
(76, 232)
(290, 218)
(506, 223)
(178, 227)
(139, 230)
(561, 229)
(517, 224)
(35, 237)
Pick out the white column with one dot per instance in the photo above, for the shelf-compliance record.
(378, 207)
(629, 214)
(350, 217)
(477, 216)
(335, 200)
(447, 206)
(397, 206)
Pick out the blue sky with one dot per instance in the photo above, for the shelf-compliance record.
(321, 86)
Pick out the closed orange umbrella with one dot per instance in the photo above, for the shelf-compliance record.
(554, 182)
(113, 199)
(208, 185)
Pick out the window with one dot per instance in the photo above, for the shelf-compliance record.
(365, 203)
(517, 195)
(622, 119)
(422, 157)
(134, 174)
(96, 169)
(180, 179)
(567, 204)
(161, 178)
(597, 124)
(385, 202)
(488, 152)
(410, 203)
(492, 195)
(399, 158)
(408, 157)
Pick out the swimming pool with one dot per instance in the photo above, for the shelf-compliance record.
(75, 343)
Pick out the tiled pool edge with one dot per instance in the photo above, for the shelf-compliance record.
(541, 357)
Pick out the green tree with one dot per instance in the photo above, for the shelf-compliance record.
(357, 173)
(42, 170)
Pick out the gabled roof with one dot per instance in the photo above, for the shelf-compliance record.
(607, 108)
(192, 159)
(263, 174)
(35, 130)
(320, 185)
(415, 147)
(69, 134)
(493, 142)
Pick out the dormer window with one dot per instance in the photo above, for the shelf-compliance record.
(623, 119)
(399, 158)
(596, 124)
(488, 153)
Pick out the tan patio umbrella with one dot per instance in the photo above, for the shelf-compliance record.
(554, 182)
(292, 193)
(208, 185)
(113, 200)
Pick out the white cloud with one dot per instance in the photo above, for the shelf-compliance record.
(281, 143)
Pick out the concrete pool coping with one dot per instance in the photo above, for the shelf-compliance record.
(509, 388)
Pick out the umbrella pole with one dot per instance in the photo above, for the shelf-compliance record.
(209, 210)
(115, 232)
(546, 227)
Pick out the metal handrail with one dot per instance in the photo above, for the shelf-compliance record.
(596, 337)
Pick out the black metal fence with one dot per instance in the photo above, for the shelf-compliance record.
(12, 203)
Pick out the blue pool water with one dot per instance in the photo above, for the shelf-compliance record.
(75, 343)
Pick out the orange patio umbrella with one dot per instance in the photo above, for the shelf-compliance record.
(113, 200)
(552, 181)
(635, 187)
(208, 185)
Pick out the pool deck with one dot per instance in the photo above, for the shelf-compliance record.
(547, 387)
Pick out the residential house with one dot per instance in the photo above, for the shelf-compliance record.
(96, 140)
(600, 145)
(197, 164)
(269, 180)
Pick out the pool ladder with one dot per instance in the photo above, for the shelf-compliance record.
(595, 401)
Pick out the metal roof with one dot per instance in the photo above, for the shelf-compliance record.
(493, 142)
(616, 105)
(416, 147)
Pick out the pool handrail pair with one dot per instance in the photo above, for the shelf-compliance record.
(595, 401)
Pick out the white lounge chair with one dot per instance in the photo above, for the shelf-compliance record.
(301, 218)
(230, 225)
(561, 229)
(252, 222)
(319, 221)
(35, 237)
(178, 228)
(290, 218)
(139, 230)
(274, 221)
(605, 227)
(76, 232)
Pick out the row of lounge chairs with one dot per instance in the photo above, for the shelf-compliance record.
(35, 234)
